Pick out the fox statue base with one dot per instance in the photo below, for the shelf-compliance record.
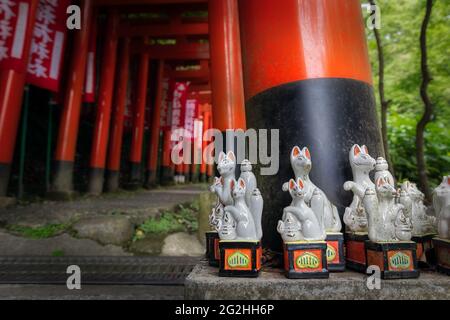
(425, 250)
(396, 260)
(240, 258)
(305, 260)
(212, 248)
(335, 251)
(355, 253)
(442, 251)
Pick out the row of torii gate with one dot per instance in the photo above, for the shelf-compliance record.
(300, 66)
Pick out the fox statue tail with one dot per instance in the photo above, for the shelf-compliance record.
(256, 208)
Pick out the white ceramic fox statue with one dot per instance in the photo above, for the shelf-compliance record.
(362, 163)
(247, 227)
(311, 228)
(441, 205)
(221, 187)
(301, 164)
(422, 222)
(387, 220)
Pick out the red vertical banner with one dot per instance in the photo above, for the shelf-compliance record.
(47, 44)
(189, 116)
(178, 105)
(13, 29)
(89, 83)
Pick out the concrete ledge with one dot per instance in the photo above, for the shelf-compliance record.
(204, 283)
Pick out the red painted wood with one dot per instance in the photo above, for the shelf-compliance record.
(103, 116)
(139, 110)
(120, 99)
(70, 116)
(291, 40)
(226, 65)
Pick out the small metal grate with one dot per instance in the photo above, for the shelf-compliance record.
(97, 270)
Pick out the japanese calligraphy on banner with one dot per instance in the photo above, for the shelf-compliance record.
(164, 116)
(177, 109)
(13, 28)
(178, 104)
(189, 116)
(47, 45)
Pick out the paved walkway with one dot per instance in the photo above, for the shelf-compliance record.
(137, 206)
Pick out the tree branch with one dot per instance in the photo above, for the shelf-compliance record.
(383, 102)
(428, 112)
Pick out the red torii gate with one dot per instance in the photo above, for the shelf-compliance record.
(137, 33)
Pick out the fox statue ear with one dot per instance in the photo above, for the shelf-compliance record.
(300, 183)
(231, 156)
(366, 151)
(295, 151)
(291, 184)
(306, 153)
(232, 183)
(221, 180)
(356, 150)
(241, 183)
(221, 156)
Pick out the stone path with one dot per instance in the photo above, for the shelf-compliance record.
(139, 205)
(65, 244)
(103, 219)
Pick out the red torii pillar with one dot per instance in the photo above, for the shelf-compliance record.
(226, 69)
(12, 85)
(307, 74)
(138, 122)
(70, 116)
(120, 99)
(152, 179)
(103, 117)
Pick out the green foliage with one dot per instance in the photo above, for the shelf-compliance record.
(182, 218)
(47, 231)
(402, 146)
(400, 30)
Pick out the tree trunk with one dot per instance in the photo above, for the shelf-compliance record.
(428, 112)
(383, 102)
